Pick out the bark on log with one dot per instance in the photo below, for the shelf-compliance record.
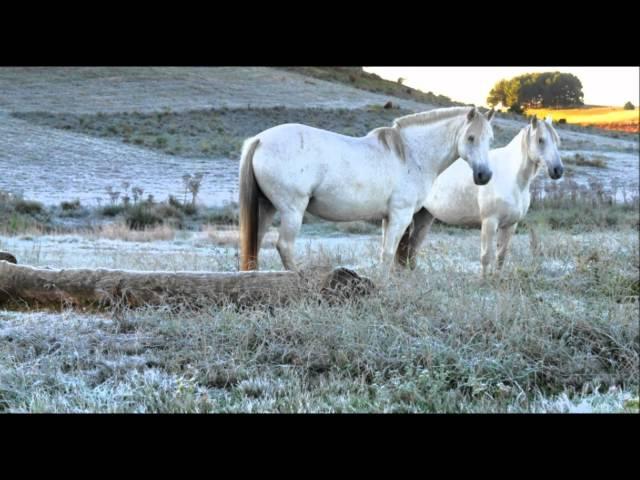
(8, 257)
(23, 286)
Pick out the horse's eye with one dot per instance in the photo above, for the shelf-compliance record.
(541, 141)
(471, 138)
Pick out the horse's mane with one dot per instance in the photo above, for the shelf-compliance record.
(430, 116)
(554, 134)
(391, 139)
(550, 129)
(390, 136)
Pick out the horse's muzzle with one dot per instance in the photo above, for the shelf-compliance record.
(556, 172)
(482, 176)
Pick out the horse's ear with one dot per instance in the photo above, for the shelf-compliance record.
(534, 121)
(471, 114)
(549, 120)
(490, 115)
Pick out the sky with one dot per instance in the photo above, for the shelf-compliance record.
(610, 86)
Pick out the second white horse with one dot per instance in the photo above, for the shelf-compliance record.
(497, 206)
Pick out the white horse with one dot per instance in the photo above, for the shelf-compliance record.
(386, 175)
(498, 206)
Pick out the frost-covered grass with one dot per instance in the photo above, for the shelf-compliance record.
(209, 132)
(612, 401)
(557, 332)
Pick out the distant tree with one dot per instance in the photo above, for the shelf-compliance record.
(497, 94)
(535, 90)
(516, 108)
(401, 80)
(629, 106)
(192, 184)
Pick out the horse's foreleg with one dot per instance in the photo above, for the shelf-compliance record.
(397, 224)
(422, 222)
(504, 238)
(487, 243)
(290, 222)
(402, 254)
(385, 223)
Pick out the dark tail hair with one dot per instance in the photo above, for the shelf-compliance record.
(249, 195)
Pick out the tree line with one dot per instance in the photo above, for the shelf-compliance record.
(538, 90)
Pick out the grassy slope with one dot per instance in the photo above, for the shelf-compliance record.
(211, 132)
(356, 77)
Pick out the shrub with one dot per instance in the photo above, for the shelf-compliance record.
(227, 215)
(28, 207)
(161, 142)
(170, 213)
(141, 216)
(67, 206)
(112, 210)
(515, 108)
(629, 106)
(578, 159)
(188, 209)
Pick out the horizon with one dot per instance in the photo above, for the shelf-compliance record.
(602, 86)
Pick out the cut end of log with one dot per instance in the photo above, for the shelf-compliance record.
(7, 257)
(343, 283)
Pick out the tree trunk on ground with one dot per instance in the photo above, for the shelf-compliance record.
(8, 257)
(28, 287)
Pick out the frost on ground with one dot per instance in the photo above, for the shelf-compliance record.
(451, 250)
(612, 401)
(191, 251)
(557, 332)
(50, 165)
(149, 89)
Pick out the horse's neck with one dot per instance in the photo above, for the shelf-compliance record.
(527, 169)
(433, 147)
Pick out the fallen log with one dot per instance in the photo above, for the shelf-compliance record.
(23, 286)
(8, 257)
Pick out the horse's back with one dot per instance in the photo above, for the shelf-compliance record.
(342, 176)
(287, 132)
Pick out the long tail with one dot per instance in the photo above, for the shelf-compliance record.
(249, 195)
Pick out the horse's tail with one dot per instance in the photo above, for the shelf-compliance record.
(249, 196)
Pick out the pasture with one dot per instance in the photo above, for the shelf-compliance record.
(608, 118)
(557, 331)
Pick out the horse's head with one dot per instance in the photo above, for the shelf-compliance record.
(542, 143)
(473, 144)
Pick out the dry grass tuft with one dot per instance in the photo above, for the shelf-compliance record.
(120, 231)
(224, 236)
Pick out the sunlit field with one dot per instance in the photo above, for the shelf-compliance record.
(610, 118)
